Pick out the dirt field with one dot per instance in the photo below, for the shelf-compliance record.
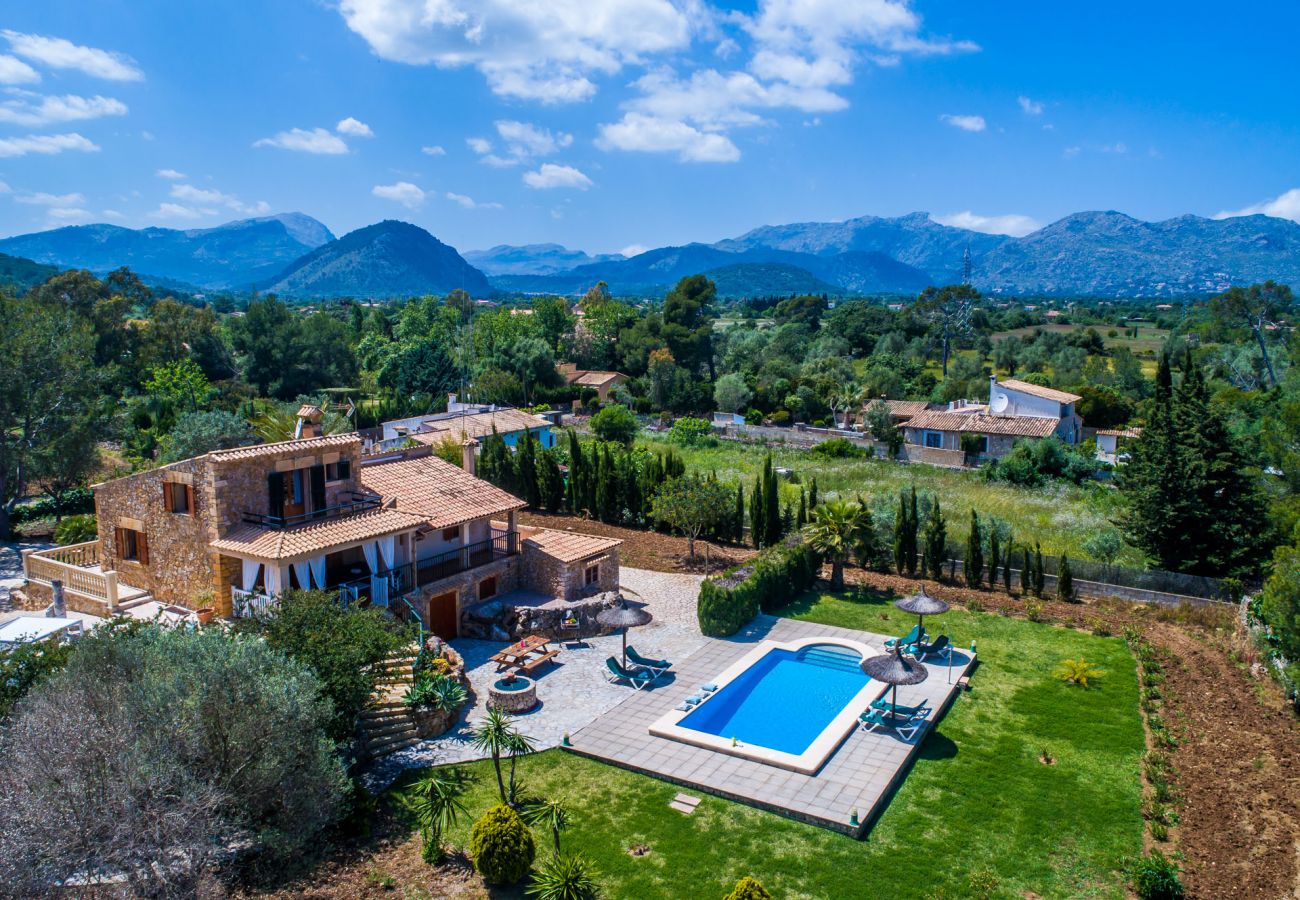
(648, 549)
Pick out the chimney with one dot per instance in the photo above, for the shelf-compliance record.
(467, 457)
(451, 402)
(309, 419)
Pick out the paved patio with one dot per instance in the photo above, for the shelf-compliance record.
(860, 775)
(574, 690)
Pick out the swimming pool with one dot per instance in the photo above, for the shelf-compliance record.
(787, 704)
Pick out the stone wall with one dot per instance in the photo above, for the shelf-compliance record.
(466, 586)
(547, 575)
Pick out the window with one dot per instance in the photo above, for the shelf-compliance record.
(487, 588)
(934, 439)
(592, 575)
(178, 498)
(450, 534)
(132, 545)
(338, 471)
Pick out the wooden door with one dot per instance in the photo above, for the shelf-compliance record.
(443, 619)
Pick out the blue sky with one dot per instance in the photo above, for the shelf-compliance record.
(626, 123)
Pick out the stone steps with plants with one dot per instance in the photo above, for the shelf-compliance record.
(386, 723)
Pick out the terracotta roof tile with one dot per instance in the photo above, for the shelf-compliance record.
(976, 423)
(304, 445)
(1038, 390)
(479, 425)
(569, 546)
(439, 493)
(900, 407)
(291, 543)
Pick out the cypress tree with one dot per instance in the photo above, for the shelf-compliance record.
(601, 460)
(631, 483)
(994, 554)
(936, 540)
(1006, 566)
(900, 535)
(1027, 575)
(772, 497)
(574, 485)
(526, 464)
(1065, 582)
(974, 553)
(738, 522)
(913, 530)
(1039, 580)
(757, 508)
(802, 519)
(550, 481)
(812, 494)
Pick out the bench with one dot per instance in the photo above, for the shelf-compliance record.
(531, 664)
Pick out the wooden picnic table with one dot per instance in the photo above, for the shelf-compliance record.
(526, 654)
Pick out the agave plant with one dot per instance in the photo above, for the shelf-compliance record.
(440, 693)
(1078, 671)
(568, 877)
(549, 814)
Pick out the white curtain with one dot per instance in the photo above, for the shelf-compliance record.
(387, 547)
(274, 579)
(317, 571)
(378, 586)
(249, 577)
(303, 572)
(372, 556)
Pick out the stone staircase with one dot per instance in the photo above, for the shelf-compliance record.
(386, 724)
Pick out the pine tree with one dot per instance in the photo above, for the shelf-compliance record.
(802, 519)
(812, 494)
(974, 553)
(1065, 582)
(936, 540)
(900, 535)
(1039, 579)
(757, 509)
(738, 522)
(913, 530)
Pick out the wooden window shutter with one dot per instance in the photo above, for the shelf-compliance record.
(275, 494)
(142, 548)
(117, 542)
(317, 488)
(189, 499)
(167, 496)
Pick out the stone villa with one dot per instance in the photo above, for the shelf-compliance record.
(231, 529)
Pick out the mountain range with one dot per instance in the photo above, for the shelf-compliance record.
(1083, 254)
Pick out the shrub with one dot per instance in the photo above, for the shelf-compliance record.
(838, 448)
(776, 575)
(1033, 462)
(568, 877)
(502, 846)
(615, 423)
(691, 432)
(25, 666)
(76, 530)
(1155, 877)
(748, 888)
(1033, 610)
(1078, 671)
(441, 693)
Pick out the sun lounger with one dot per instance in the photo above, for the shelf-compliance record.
(916, 634)
(883, 705)
(657, 666)
(638, 678)
(940, 648)
(905, 726)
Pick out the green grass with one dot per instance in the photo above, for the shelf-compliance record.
(976, 801)
(1062, 516)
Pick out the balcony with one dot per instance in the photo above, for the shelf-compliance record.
(404, 579)
(359, 503)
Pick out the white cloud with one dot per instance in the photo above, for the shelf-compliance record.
(58, 53)
(51, 110)
(1030, 107)
(64, 215)
(39, 198)
(5, 189)
(318, 140)
(1119, 147)
(403, 192)
(469, 202)
(354, 127)
(1012, 224)
(112, 214)
(1071, 152)
(632, 250)
(479, 145)
(551, 175)
(176, 211)
(433, 150)
(47, 144)
(14, 71)
(965, 123)
(533, 51)
(524, 140)
(647, 134)
(207, 198)
(1283, 206)
(170, 174)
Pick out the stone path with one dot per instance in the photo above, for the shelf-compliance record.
(574, 691)
(11, 561)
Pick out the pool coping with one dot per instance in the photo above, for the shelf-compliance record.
(822, 747)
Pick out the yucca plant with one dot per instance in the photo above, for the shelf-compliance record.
(569, 877)
(1078, 671)
(437, 692)
(552, 815)
(435, 802)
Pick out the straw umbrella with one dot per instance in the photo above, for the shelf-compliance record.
(920, 605)
(624, 617)
(893, 668)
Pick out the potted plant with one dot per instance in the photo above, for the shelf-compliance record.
(204, 610)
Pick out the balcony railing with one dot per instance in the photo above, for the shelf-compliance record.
(401, 580)
(358, 503)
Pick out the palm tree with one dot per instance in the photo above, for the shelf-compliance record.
(437, 806)
(497, 734)
(836, 528)
(278, 422)
(564, 878)
(552, 814)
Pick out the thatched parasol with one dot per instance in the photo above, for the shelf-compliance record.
(624, 617)
(893, 668)
(921, 604)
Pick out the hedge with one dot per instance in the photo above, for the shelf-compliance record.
(771, 580)
(77, 500)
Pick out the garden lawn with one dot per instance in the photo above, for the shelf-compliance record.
(977, 804)
(1062, 516)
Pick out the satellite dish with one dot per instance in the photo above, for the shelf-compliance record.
(999, 404)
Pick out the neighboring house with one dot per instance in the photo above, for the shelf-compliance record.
(1016, 410)
(899, 410)
(601, 382)
(723, 419)
(1110, 441)
(465, 421)
(233, 528)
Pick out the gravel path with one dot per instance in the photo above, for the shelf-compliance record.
(574, 690)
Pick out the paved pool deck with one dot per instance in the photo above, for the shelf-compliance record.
(860, 774)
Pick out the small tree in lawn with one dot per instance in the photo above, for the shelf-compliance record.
(1065, 582)
(1027, 574)
(936, 541)
(836, 528)
(551, 815)
(692, 505)
(436, 802)
(496, 733)
(995, 555)
(1006, 566)
(974, 552)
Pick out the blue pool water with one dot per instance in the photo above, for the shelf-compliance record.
(784, 700)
